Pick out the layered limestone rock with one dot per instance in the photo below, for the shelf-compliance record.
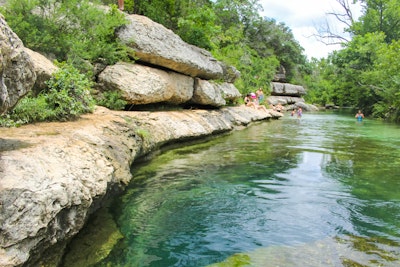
(53, 175)
(17, 75)
(161, 48)
(207, 93)
(289, 95)
(157, 45)
(287, 89)
(141, 85)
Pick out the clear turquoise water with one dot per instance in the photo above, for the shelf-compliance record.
(320, 191)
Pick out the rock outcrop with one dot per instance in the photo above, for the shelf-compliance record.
(43, 68)
(289, 95)
(155, 44)
(17, 75)
(164, 73)
(53, 175)
(163, 61)
(145, 85)
(141, 85)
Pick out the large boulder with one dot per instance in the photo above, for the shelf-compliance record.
(208, 94)
(287, 89)
(43, 68)
(17, 75)
(284, 100)
(229, 91)
(159, 46)
(141, 85)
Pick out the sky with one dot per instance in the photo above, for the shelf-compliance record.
(303, 18)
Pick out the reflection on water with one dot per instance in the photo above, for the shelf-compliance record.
(322, 191)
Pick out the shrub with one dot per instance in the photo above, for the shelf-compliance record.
(112, 100)
(69, 93)
(68, 97)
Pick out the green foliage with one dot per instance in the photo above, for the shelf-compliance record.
(112, 100)
(73, 31)
(69, 93)
(365, 73)
(199, 27)
(380, 16)
(270, 38)
(68, 97)
(384, 80)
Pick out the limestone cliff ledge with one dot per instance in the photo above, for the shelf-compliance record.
(54, 175)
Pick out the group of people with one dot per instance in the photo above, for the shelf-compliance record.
(298, 112)
(253, 101)
(256, 100)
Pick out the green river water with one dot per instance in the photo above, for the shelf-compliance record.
(320, 191)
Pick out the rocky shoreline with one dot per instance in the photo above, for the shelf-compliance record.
(54, 175)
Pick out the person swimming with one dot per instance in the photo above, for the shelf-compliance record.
(299, 113)
(359, 116)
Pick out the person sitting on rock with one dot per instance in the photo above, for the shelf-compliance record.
(279, 107)
(249, 102)
(260, 95)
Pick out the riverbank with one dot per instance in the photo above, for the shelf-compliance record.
(54, 175)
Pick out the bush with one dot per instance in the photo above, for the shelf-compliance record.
(111, 100)
(69, 93)
(75, 30)
(68, 97)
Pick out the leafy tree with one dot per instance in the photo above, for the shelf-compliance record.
(199, 28)
(384, 80)
(321, 82)
(379, 16)
(365, 72)
(269, 38)
(73, 31)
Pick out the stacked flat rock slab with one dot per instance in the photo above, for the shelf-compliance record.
(162, 57)
(289, 95)
(142, 85)
(157, 45)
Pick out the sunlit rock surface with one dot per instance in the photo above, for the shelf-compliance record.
(54, 175)
(17, 75)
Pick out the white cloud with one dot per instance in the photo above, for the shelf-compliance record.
(303, 18)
